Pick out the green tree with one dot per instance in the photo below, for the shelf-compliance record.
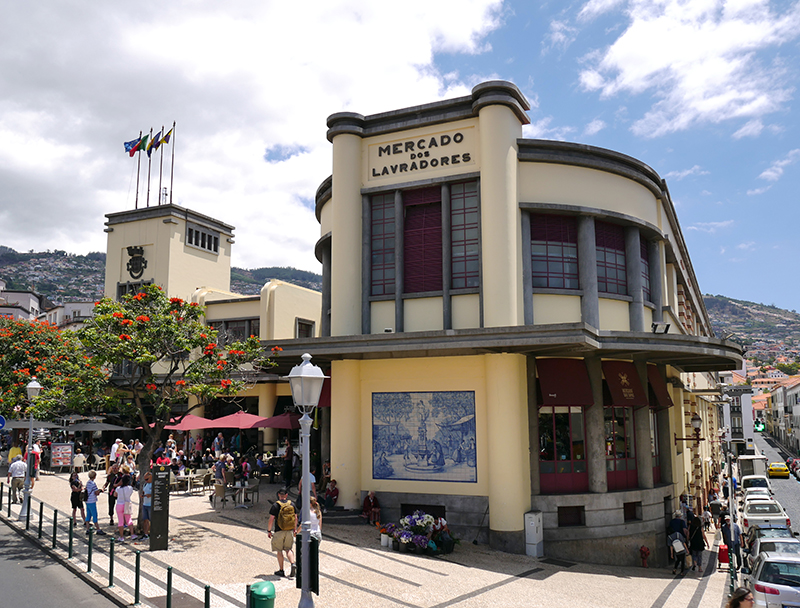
(790, 369)
(72, 381)
(161, 353)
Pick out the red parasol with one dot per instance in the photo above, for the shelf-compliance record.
(191, 422)
(239, 420)
(287, 420)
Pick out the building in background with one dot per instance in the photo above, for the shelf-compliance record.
(512, 326)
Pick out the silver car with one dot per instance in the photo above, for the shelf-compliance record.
(774, 580)
(772, 545)
(764, 512)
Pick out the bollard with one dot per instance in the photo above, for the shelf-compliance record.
(71, 534)
(41, 518)
(111, 563)
(9, 502)
(55, 527)
(28, 512)
(89, 554)
(247, 596)
(169, 586)
(2, 487)
(137, 578)
(208, 597)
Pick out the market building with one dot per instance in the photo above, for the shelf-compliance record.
(511, 326)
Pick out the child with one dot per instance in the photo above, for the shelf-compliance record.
(147, 497)
(92, 492)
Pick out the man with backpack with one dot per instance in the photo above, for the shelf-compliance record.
(283, 515)
(676, 542)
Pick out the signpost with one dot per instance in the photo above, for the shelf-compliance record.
(159, 511)
(2, 422)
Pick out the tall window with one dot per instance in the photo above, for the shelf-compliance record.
(562, 452)
(554, 251)
(422, 243)
(620, 448)
(610, 243)
(645, 268)
(654, 449)
(465, 269)
(383, 244)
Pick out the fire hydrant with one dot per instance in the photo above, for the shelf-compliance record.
(644, 553)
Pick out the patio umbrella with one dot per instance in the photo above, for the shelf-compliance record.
(37, 424)
(287, 420)
(191, 422)
(240, 420)
(96, 426)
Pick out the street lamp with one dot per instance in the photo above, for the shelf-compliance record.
(33, 389)
(306, 382)
(697, 423)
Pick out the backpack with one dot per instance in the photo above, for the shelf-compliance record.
(286, 516)
(678, 546)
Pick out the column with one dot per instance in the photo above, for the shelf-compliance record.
(641, 429)
(533, 427)
(267, 397)
(633, 270)
(346, 236)
(587, 269)
(447, 259)
(501, 255)
(366, 263)
(656, 280)
(399, 262)
(325, 317)
(508, 450)
(346, 452)
(527, 270)
(595, 429)
(665, 442)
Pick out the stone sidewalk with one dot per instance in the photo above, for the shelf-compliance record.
(227, 548)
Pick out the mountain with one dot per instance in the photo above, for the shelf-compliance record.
(65, 277)
(748, 323)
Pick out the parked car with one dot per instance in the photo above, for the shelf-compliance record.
(753, 492)
(772, 531)
(754, 481)
(764, 512)
(774, 545)
(778, 469)
(774, 579)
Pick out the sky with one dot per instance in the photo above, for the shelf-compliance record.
(702, 91)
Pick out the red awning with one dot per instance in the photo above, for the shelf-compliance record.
(325, 395)
(659, 387)
(564, 382)
(624, 384)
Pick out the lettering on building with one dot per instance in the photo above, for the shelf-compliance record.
(420, 154)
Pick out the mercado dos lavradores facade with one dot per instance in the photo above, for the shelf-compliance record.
(488, 313)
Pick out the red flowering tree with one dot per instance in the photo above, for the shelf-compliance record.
(160, 353)
(72, 381)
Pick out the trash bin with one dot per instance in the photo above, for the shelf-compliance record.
(262, 595)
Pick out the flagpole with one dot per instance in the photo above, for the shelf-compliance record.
(172, 168)
(160, 165)
(138, 171)
(149, 163)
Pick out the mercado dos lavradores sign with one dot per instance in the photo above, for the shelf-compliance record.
(412, 157)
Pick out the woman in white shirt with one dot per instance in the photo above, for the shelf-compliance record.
(125, 508)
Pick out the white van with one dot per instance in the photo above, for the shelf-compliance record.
(752, 465)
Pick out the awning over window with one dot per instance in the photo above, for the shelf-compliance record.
(325, 395)
(659, 387)
(564, 382)
(623, 384)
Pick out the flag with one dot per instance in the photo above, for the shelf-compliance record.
(165, 139)
(130, 145)
(141, 145)
(154, 143)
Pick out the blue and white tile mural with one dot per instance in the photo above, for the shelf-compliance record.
(424, 436)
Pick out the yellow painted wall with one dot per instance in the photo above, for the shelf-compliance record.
(325, 219)
(422, 314)
(614, 315)
(466, 311)
(346, 431)
(374, 160)
(648, 318)
(381, 316)
(248, 309)
(283, 303)
(551, 308)
(417, 375)
(569, 185)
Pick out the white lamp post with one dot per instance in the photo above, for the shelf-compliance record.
(306, 381)
(33, 389)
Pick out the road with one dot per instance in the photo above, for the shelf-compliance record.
(787, 491)
(21, 563)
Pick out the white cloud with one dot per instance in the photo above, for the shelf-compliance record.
(752, 128)
(242, 80)
(757, 191)
(774, 172)
(722, 250)
(541, 129)
(748, 246)
(704, 61)
(679, 175)
(594, 127)
(710, 227)
(560, 36)
(594, 8)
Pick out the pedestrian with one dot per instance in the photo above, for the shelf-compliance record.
(676, 542)
(331, 495)
(288, 463)
(741, 598)
(218, 445)
(125, 508)
(707, 517)
(725, 488)
(315, 517)
(697, 543)
(16, 477)
(92, 492)
(732, 535)
(76, 494)
(371, 508)
(110, 485)
(147, 498)
(283, 516)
